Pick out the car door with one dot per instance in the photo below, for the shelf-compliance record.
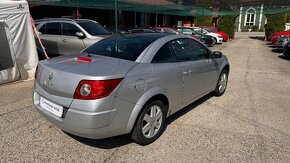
(190, 75)
(169, 74)
(69, 42)
(197, 68)
(49, 33)
(208, 70)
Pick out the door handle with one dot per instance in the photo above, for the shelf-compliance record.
(64, 40)
(187, 72)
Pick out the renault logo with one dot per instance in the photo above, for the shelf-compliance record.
(20, 7)
(50, 76)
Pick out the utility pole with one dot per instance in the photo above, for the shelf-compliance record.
(116, 17)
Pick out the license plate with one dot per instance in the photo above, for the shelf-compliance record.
(51, 107)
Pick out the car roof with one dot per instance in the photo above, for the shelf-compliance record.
(62, 20)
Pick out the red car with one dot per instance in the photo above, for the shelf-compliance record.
(214, 30)
(275, 35)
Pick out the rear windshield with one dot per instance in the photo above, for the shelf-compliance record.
(128, 48)
(93, 28)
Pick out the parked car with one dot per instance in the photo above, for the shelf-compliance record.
(66, 36)
(214, 30)
(142, 30)
(166, 30)
(120, 31)
(173, 31)
(127, 84)
(209, 40)
(275, 36)
(217, 37)
(286, 49)
(282, 40)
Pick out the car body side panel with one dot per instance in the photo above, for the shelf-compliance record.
(145, 81)
(208, 73)
(193, 85)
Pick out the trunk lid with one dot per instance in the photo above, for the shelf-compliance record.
(60, 76)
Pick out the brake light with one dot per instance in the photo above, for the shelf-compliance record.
(36, 71)
(83, 59)
(95, 89)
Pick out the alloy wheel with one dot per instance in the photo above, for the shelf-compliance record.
(152, 121)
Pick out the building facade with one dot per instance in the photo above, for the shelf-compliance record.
(251, 18)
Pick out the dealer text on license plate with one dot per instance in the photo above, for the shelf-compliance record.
(51, 107)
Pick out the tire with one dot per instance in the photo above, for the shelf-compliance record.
(221, 83)
(150, 117)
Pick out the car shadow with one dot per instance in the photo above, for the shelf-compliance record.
(188, 108)
(272, 46)
(269, 43)
(262, 38)
(277, 50)
(106, 143)
(118, 141)
(284, 57)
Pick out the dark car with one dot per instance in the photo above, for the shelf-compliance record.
(142, 30)
(286, 49)
(209, 40)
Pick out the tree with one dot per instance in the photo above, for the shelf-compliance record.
(276, 23)
(227, 24)
(203, 21)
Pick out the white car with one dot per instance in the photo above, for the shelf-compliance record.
(217, 37)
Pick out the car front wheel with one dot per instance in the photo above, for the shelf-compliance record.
(150, 124)
(222, 83)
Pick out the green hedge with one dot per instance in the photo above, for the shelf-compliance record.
(203, 21)
(227, 24)
(276, 23)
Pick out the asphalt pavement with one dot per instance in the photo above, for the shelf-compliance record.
(249, 123)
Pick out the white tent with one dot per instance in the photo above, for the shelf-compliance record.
(18, 55)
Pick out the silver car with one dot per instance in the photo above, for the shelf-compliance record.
(127, 84)
(62, 36)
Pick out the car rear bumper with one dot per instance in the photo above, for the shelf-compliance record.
(85, 124)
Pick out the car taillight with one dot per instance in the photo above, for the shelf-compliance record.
(36, 71)
(95, 89)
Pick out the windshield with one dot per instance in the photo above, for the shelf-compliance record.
(209, 30)
(128, 48)
(93, 28)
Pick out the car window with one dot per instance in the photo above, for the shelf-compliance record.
(42, 29)
(187, 31)
(93, 28)
(69, 29)
(189, 50)
(164, 55)
(198, 31)
(52, 29)
(123, 47)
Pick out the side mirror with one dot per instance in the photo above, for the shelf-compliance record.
(217, 54)
(80, 35)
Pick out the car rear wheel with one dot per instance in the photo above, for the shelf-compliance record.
(222, 83)
(150, 124)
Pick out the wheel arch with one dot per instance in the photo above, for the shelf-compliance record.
(226, 67)
(143, 101)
